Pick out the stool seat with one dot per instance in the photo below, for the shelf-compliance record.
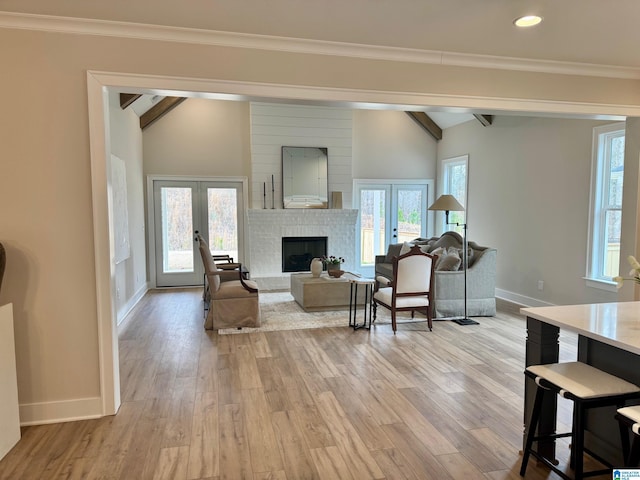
(588, 388)
(632, 413)
(630, 417)
(582, 380)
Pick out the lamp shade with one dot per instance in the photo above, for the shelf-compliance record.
(447, 203)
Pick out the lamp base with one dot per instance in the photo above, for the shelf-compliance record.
(465, 321)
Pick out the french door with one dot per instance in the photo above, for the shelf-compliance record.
(389, 213)
(183, 208)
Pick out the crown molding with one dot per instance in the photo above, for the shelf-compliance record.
(83, 26)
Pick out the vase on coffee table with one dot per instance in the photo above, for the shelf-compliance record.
(316, 267)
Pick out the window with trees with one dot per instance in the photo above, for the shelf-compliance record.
(606, 202)
(454, 182)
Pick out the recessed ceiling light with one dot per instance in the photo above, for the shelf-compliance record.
(527, 21)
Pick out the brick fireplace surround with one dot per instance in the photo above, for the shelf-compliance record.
(267, 227)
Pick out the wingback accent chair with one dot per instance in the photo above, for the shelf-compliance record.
(232, 303)
(410, 289)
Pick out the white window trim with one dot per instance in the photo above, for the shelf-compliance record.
(595, 200)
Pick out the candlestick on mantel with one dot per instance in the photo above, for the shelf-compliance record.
(264, 195)
(273, 195)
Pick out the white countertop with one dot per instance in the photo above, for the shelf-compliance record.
(616, 324)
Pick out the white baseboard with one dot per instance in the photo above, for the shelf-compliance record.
(133, 301)
(521, 299)
(77, 409)
(62, 411)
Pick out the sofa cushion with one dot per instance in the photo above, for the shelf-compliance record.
(406, 246)
(439, 252)
(392, 251)
(385, 269)
(470, 254)
(450, 261)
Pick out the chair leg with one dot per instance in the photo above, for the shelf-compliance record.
(634, 456)
(577, 444)
(624, 440)
(533, 426)
(393, 321)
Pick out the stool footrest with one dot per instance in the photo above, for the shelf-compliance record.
(553, 467)
(552, 436)
(549, 464)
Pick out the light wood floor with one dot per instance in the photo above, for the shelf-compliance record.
(306, 404)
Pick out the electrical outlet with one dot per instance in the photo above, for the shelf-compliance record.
(540, 285)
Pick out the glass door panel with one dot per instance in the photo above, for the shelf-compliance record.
(177, 229)
(373, 222)
(175, 208)
(410, 212)
(222, 218)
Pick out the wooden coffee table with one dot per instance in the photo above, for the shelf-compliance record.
(316, 294)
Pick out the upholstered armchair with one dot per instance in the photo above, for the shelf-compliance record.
(233, 302)
(410, 288)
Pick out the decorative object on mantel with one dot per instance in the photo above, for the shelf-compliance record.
(316, 267)
(264, 195)
(332, 262)
(335, 272)
(3, 262)
(273, 193)
(336, 200)
(634, 274)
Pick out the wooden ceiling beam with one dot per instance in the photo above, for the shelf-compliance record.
(127, 99)
(159, 109)
(485, 120)
(425, 122)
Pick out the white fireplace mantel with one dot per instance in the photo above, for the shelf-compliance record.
(267, 227)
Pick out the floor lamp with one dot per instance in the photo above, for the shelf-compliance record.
(447, 203)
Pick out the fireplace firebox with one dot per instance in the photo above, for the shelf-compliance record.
(297, 252)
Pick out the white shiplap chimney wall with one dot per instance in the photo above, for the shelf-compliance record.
(276, 125)
(272, 127)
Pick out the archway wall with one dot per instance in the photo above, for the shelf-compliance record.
(48, 206)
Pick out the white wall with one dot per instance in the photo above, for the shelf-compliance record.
(126, 143)
(200, 137)
(389, 144)
(529, 181)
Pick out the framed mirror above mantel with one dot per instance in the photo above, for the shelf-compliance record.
(305, 179)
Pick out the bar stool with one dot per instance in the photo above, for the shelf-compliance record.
(588, 387)
(629, 417)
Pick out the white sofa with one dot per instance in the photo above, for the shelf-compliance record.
(449, 285)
